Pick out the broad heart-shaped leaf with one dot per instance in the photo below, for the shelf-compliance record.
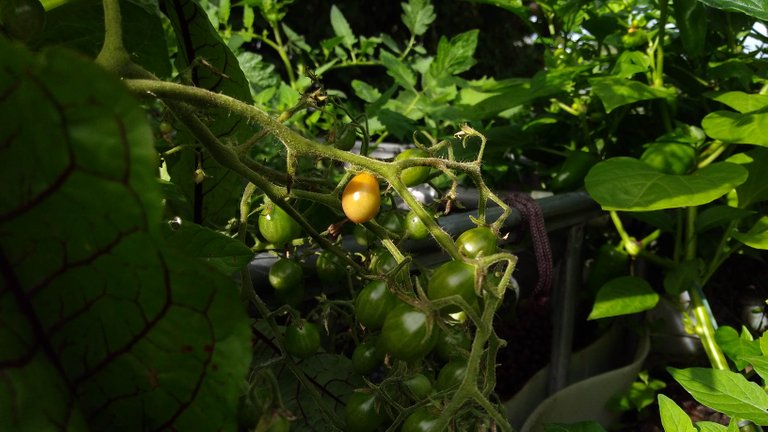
(615, 92)
(736, 346)
(742, 102)
(754, 8)
(733, 127)
(80, 25)
(205, 61)
(629, 184)
(757, 236)
(102, 326)
(725, 391)
(224, 253)
(755, 188)
(673, 418)
(623, 296)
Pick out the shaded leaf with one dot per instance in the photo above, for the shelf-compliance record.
(720, 215)
(615, 92)
(623, 296)
(760, 364)
(725, 391)
(629, 184)
(102, 322)
(226, 254)
(742, 102)
(673, 418)
(733, 127)
(585, 426)
(691, 19)
(682, 277)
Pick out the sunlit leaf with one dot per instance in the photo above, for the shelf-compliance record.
(673, 418)
(623, 296)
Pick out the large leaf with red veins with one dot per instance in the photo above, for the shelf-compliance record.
(102, 325)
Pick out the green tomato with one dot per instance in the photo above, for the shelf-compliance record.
(478, 241)
(670, 158)
(363, 236)
(276, 226)
(452, 343)
(418, 386)
(330, 267)
(407, 334)
(421, 420)
(634, 38)
(302, 339)
(382, 261)
(414, 175)
(393, 221)
(366, 358)
(572, 171)
(285, 274)
(362, 413)
(373, 304)
(22, 19)
(451, 374)
(415, 227)
(343, 138)
(453, 278)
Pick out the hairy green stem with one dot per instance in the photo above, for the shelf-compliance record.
(113, 55)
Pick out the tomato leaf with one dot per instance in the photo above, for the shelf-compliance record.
(341, 27)
(398, 70)
(104, 327)
(418, 15)
(615, 92)
(454, 55)
(725, 391)
(628, 184)
(623, 296)
(673, 418)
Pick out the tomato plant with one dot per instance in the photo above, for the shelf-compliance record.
(415, 227)
(393, 221)
(451, 374)
(287, 278)
(452, 343)
(419, 386)
(330, 267)
(22, 19)
(360, 199)
(302, 339)
(421, 420)
(366, 358)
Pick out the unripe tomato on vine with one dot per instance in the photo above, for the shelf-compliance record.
(361, 198)
(414, 175)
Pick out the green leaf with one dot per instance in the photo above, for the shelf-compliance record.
(260, 74)
(736, 347)
(691, 19)
(720, 215)
(757, 236)
(104, 327)
(79, 25)
(673, 418)
(754, 8)
(742, 102)
(630, 63)
(341, 27)
(682, 277)
(623, 296)
(615, 92)
(733, 127)
(629, 184)
(214, 201)
(455, 55)
(418, 15)
(755, 188)
(707, 426)
(514, 6)
(585, 426)
(365, 91)
(399, 71)
(725, 391)
(226, 254)
(760, 364)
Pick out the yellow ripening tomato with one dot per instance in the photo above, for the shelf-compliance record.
(361, 198)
